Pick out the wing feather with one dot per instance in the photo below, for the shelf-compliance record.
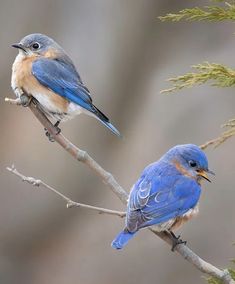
(155, 199)
(64, 80)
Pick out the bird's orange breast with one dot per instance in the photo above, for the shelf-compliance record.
(179, 221)
(25, 81)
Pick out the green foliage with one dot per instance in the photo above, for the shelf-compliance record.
(232, 273)
(218, 1)
(213, 280)
(220, 75)
(216, 74)
(208, 13)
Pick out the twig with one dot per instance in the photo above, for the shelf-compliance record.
(13, 102)
(107, 178)
(70, 202)
(216, 142)
(219, 140)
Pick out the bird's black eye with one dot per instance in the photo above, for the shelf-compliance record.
(35, 45)
(192, 164)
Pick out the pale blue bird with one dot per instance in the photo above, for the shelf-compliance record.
(167, 193)
(44, 71)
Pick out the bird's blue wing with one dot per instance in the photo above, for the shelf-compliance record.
(155, 199)
(63, 79)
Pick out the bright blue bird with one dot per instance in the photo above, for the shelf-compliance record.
(166, 194)
(44, 71)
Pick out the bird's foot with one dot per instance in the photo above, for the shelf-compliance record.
(56, 126)
(25, 100)
(50, 137)
(58, 130)
(176, 240)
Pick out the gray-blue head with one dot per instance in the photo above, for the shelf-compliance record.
(37, 44)
(189, 159)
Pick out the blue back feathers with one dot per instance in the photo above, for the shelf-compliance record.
(60, 76)
(63, 80)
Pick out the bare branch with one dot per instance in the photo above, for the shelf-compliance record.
(223, 137)
(215, 142)
(108, 179)
(70, 203)
(13, 101)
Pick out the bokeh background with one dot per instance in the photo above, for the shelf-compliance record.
(124, 55)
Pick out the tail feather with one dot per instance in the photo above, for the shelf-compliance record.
(122, 239)
(111, 127)
(104, 120)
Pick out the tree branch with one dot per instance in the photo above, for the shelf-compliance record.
(108, 179)
(70, 202)
(219, 140)
(223, 137)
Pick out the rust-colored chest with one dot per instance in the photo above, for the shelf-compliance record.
(24, 81)
(21, 72)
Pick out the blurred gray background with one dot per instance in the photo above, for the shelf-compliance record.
(124, 55)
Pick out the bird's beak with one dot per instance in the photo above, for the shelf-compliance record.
(203, 174)
(19, 46)
(210, 172)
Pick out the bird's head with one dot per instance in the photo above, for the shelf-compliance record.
(37, 45)
(190, 160)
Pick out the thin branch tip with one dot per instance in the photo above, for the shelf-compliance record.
(70, 203)
(13, 101)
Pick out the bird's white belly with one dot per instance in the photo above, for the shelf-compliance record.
(14, 85)
(55, 111)
(164, 226)
(46, 103)
(74, 109)
(175, 223)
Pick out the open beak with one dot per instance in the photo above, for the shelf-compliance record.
(19, 46)
(203, 174)
(210, 172)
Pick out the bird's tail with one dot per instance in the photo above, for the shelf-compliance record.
(104, 119)
(122, 239)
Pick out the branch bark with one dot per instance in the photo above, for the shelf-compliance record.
(70, 202)
(108, 179)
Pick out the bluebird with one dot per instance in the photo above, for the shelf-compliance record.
(167, 193)
(43, 71)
